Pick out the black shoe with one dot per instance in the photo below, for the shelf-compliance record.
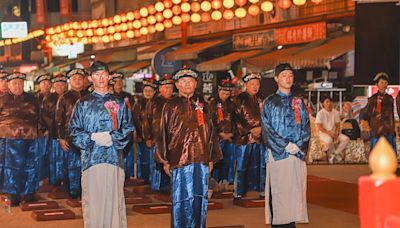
(30, 198)
(75, 195)
(15, 200)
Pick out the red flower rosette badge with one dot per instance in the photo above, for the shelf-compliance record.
(112, 108)
(199, 109)
(296, 105)
(220, 112)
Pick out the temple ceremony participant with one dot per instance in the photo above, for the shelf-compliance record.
(286, 133)
(187, 148)
(101, 126)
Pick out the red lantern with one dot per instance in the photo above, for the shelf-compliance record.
(254, 10)
(216, 15)
(167, 23)
(130, 34)
(159, 6)
(136, 14)
(176, 10)
(185, 7)
(316, 1)
(160, 27)
(176, 20)
(299, 2)
(152, 29)
(167, 13)
(228, 14)
(168, 3)
(240, 12)
(216, 4)
(267, 6)
(195, 6)
(152, 10)
(159, 17)
(195, 18)
(185, 17)
(285, 4)
(137, 33)
(240, 3)
(205, 17)
(143, 22)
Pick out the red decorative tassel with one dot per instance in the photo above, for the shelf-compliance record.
(379, 105)
(200, 117)
(128, 104)
(297, 113)
(220, 114)
(114, 117)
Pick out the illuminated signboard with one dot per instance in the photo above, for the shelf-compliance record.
(70, 50)
(14, 29)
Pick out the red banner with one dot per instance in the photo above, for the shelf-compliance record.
(64, 7)
(301, 33)
(40, 11)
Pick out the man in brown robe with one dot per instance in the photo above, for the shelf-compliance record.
(380, 113)
(188, 147)
(19, 114)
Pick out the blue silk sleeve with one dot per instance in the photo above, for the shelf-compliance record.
(271, 138)
(80, 137)
(122, 137)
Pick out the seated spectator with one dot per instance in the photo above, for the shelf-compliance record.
(328, 124)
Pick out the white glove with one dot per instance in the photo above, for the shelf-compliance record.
(102, 138)
(292, 148)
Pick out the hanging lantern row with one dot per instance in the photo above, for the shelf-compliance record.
(160, 16)
(168, 9)
(30, 36)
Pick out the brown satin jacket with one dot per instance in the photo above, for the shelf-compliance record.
(128, 99)
(247, 117)
(381, 123)
(48, 114)
(183, 140)
(227, 108)
(64, 109)
(151, 128)
(42, 129)
(138, 117)
(19, 116)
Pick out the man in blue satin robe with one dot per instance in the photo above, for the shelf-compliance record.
(187, 148)
(19, 115)
(101, 126)
(249, 152)
(286, 134)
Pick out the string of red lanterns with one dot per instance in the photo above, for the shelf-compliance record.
(160, 16)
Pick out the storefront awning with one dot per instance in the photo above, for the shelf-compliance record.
(321, 55)
(147, 53)
(225, 62)
(117, 56)
(269, 60)
(191, 51)
(134, 67)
